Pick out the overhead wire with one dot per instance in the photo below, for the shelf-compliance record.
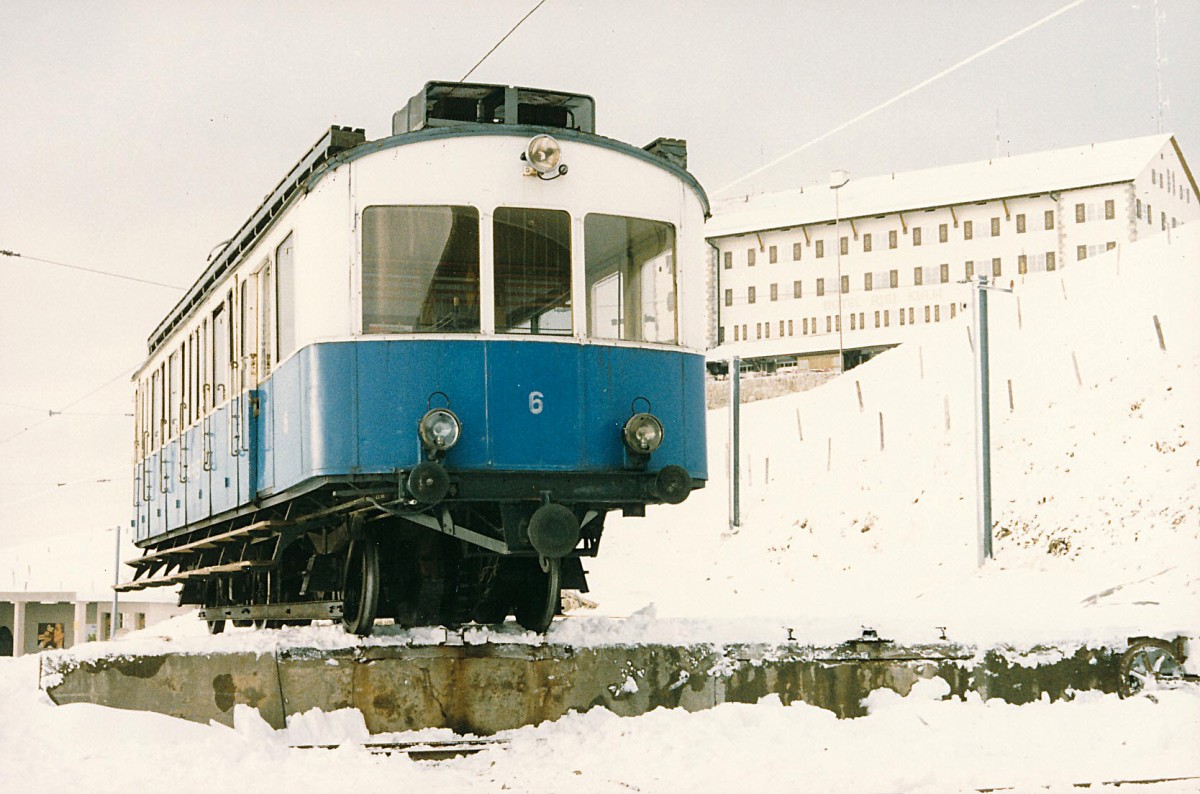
(95, 271)
(907, 92)
(63, 411)
(502, 39)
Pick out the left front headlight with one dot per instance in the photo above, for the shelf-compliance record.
(439, 430)
(643, 433)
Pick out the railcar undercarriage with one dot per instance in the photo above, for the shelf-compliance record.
(359, 550)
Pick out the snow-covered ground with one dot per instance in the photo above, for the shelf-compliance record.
(866, 518)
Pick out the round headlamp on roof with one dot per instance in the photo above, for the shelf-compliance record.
(643, 433)
(543, 154)
(439, 430)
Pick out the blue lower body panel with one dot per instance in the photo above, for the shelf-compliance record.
(526, 406)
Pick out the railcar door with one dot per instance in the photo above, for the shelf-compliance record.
(173, 477)
(197, 442)
(246, 375)
(223, 450)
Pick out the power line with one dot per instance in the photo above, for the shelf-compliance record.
(52, 413)
(905, 93)
(109, 273)
(497, 44)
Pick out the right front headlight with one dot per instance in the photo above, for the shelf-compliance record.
(643, 433)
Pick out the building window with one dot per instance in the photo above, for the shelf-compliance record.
(781, 327)
(1080, 213)
(1149, 213)
(953, 310)
(943, 233)
(866, 238)
(911, 315)
(728, 297)
(892, 239)
(789, 328)
(996, 267)
(767, 330)
(1022, 264)
(902, 316)
(837, 323)
(774, 292)
(820, 249)
(1020, 223)
(1049, 221)
(796, 249)
(1164, 221)
(853, 321)
(828, 324)
(796, 291)
(728, 260)
(887, 318)
(926, 314)
(736, 335)
(845, 284)
(804, 328)
(845, 246)
(772, 255)
(944, 273)
(968, 230)
(916, 235)
(876, 318)
(1050, 261)
(750, 257)
(861, 322)
(1110, 209)
(867, 279)
(1139, 209)
(758, 330)
(970, 270)
(745, 335)
(894, 279)
(937, 313)
(1081, 252)
(996, 226)
(750, 297)
(918, 277)
(1110, 245)
(820, 287)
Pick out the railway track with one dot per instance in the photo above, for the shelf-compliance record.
(421, 751)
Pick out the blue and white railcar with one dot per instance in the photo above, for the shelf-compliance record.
(416, 380)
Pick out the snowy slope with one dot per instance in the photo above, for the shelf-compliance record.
(1095, 479)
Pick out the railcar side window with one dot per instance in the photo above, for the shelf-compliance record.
(285, 281)
(220, 355)
(420, 269)
(630, 276)
(532, 260)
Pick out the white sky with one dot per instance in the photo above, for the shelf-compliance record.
(138, 135)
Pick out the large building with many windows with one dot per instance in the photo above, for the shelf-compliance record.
(812, 275)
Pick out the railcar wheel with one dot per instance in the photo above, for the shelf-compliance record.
(539, 599)
(216, 626)
(360, 587)
(1150, 661)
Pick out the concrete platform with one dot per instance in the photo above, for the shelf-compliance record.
(485, 688)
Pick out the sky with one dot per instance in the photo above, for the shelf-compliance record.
(137, 136)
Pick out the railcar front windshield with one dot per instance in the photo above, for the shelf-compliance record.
(630, 276)
(420, 270)
(532, 258)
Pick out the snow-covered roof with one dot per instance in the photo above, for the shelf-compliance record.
(1005, 177)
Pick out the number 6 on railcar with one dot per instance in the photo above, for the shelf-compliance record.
(415, 381)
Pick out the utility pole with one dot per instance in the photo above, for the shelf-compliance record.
(735, 413)
(112, 632)
(983, 419)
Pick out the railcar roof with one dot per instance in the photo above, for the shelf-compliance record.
(342, 145)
